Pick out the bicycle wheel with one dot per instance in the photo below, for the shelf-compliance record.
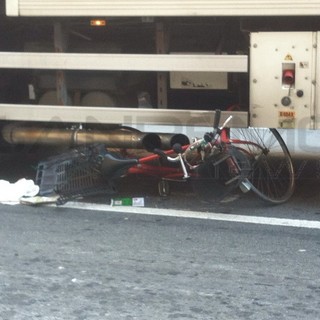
(272, 174)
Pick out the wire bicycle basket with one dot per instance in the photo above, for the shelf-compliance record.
(74, 174)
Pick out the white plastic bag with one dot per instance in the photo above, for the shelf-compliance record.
(11, 193)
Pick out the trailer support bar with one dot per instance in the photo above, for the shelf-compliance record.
(127, 62)
(126, 116)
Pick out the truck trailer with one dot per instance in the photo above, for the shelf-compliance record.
(149, 62)
(87, 65)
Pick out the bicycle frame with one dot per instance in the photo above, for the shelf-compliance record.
(145, 167)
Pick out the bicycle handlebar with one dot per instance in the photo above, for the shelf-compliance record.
(208, 139)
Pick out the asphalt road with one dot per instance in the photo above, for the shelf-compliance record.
(62, 263)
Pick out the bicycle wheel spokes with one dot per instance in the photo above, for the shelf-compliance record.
(272, 175)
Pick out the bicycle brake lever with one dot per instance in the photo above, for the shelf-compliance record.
(217, 131)
(225, 123)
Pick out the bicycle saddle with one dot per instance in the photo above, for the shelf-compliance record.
(113, 166)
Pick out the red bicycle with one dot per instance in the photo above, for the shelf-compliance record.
(255, 159)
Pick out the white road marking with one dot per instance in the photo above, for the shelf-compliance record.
(197, 215)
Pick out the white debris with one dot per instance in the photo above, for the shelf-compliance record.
(11, 193)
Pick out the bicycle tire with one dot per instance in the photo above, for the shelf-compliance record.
(272, 173)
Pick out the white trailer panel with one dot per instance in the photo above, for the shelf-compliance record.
(283, 79)
(162, 8)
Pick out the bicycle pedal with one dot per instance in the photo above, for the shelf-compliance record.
(245, 186)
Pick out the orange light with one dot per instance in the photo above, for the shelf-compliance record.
(98, 22)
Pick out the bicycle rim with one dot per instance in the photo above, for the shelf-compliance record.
(272, 174)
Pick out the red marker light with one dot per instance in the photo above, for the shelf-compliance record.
(288, 77)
